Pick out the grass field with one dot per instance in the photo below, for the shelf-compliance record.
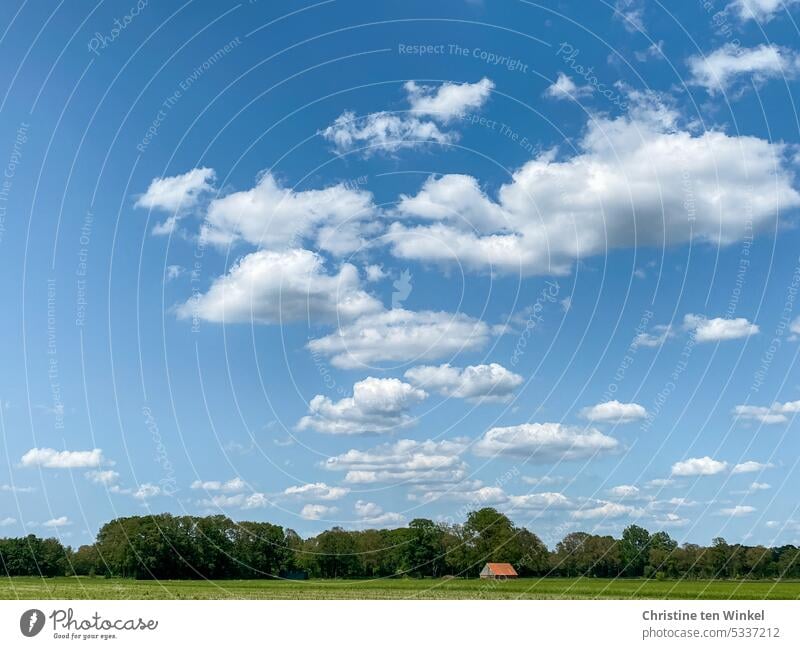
(99, 588)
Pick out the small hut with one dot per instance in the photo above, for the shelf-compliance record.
(498, 571)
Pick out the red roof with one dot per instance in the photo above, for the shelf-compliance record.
(502, 569)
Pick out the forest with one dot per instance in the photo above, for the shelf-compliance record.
(163, 546)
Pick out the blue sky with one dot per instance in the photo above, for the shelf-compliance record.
(355, 263)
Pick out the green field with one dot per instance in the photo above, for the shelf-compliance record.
(551, 588)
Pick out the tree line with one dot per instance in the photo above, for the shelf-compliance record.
(164, 546)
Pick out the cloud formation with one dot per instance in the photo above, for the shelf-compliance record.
(377, 406)
(614, 412)
(403, 336)
(269, 287)
(717, 71)
(52, 459)
(476, 383)
(549, 442)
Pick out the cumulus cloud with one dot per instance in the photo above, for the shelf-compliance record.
(625, 491)
(751, 466)
(313, 512)
(547, 500)
(176, 194)
(549, 442)
(605, 510)
(631, 14)
(403, 461)
(626, 186)
(565, 88)
(655, 338)
(377, 406)
(449, 100)
(718, 70)
(61, 521)
(401, 335)
(145, 491)
(777, 413)
(271, 287)
(274, 217)
(254, 500)
(738, 510)
(698, 466)
(52, 459)
(230, 486)
(717, 329)
(373, 514)
(172, 193)
(476, 383)
(672, 519)
(388, 131)
(103, 477)
(614, 412)
(760, 10)
(383, 131)
(5, 522)
(317, 491)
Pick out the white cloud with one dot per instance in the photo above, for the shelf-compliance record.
(672, 520)
(449, 100)
(317, 490)
(315, 512)
(660, 334)
(387, 131)
(5, 522)
(794, 326)
(738, 510)
(103, 477)
(717, 329)
(373, 514)
(403, 461)
(476, 383)
(52, 459)
(375, 273)
(751, 467)
(377, 406)
(15, 489)
(61, 521)
(565, 88)
(383, 131)
(631, 14)
(253, 500)
(174, 271)
(605, 510)
(230, 486)
(549, 442)
(146, 490)
(774, 414)
(278, 287)
(176, 194)
(625, 491)
(547, 500)
(274, 217)
(659, 483)
(760, 10)
(401, 335)
(614, 412)
(759, 486)
(626, 186)
(698, 466)
(718, 70)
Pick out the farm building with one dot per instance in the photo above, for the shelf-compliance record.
(498, 571)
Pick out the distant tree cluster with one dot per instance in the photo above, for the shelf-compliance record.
(215, 547)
